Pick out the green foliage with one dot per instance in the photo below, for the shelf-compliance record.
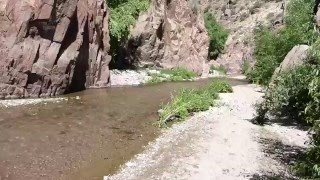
(292, 95)
(300, 17)
(270, 50)
(295, 95)
(172, 75)
(246, 67)
(115, 3)
(156, 79)
(310, 166)
(123, 15)
(288, 96)
(190, 100)
(314, 53)
(183, 73)
(220, 69)
(313, 108)
(217, 33)
(272, 47)
(220, 87)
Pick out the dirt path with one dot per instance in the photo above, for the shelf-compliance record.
(219, 144)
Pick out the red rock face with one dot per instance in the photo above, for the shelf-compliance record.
(51, 47)
(172, 34)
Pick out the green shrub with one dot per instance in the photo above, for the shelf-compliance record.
(246, 67)
(270, 50)
(173, 75)
(271, 47)
(313, 108)
(217, 33)
(183, 73)
(301, 18)
(220, 87)
(292, 95)
(123, 15)
(155, 79)
(295, 95)
(190, 100)
(220, 69)
(115, 3)
(287, 96)
(310, 166)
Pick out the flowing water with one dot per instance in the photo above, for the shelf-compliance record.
(82, 138)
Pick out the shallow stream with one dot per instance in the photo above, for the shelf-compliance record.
(82, 138)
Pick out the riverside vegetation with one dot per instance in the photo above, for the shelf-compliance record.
(271, 46)
(218, 36)
(217, 33)
(293, 95)
(178, 74)
(188, 101)
(123, 15)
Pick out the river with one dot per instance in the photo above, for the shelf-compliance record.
(82, 138)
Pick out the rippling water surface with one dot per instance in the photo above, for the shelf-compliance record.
(82, 138)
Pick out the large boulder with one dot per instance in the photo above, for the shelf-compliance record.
(317, 12)
(296, 57)
(172, 34)
(51, 47)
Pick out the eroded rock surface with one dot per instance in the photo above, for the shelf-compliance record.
(241, 18)
(171, 34)
(50, 47)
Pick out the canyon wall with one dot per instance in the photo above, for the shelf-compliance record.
(171, 34)
(51, 47)
(241, 18)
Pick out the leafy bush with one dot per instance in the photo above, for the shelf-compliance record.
(292, 95)
(178, 74)
(300, 17)
(115, 3)
(220, 87)
(272, 47)
(310, 166)
(217, 33)
(220, 69)
(270, 50)
(123, 15)
(246, 67)
(287, 96)
(295, 95)
(190, 100)
(155, 79)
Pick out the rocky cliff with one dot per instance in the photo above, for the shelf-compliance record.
(50, 47)
(241, 17)
(171, 34)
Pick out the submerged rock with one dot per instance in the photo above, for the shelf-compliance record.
(50, 47)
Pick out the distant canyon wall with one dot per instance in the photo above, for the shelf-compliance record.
(171, 34)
